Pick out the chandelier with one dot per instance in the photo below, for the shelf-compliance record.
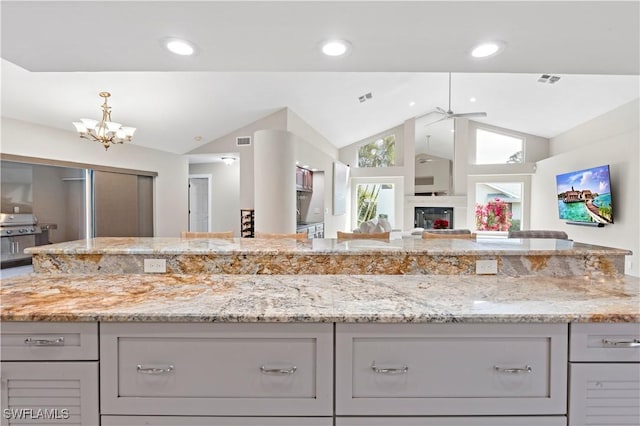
(104, 131)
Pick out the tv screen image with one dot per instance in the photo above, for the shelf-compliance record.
(585, 195)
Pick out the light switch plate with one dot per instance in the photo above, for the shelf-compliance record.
(486, 267)
(155, 266)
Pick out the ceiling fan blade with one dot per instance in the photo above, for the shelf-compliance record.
(428, 114)
(441, 111)
(469, 114)
(437, 121)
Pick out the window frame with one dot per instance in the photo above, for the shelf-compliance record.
(514, 135)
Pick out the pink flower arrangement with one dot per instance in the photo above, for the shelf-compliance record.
(494, 216)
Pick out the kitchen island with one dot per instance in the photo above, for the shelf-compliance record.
(414, 346)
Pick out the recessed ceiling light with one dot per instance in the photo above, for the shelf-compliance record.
(336, 47)
(472, 99)
(180, 47)
(453, 130)
(485, 50)
(412, 103)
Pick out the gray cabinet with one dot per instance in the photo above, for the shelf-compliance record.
(453, 421)
(49, 391)
(605, 374)
(217, 369)
(451, 369)
(214, 421)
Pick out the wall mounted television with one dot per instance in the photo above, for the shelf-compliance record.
(584, 196)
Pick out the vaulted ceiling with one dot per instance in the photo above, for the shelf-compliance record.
(254, 58)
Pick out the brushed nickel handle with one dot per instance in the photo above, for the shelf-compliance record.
(527, 369)
(44, 342)
(154, 370)
(400, 370)
(635, 343)
(278, 371)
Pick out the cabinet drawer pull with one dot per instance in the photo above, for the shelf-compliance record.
(278, 371)
(401, 370)
(154, 370)
(527, 369)
(44, 342)
(635, 343)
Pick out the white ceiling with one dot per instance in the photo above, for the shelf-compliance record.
(257, 57)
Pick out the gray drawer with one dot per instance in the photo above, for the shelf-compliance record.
(41, 341)
(452, 421)
(214, 421)
(217, 369)
(605, 342)
(451, 369)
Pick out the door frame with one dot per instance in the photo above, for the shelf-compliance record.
(209, 178)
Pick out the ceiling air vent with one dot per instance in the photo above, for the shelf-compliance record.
(365, 97)
(243, 140)
(548, 78)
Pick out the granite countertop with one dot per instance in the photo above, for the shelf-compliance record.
(319, 298)
(324, 246)
(405, 256)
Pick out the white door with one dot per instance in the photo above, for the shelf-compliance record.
(199, 204)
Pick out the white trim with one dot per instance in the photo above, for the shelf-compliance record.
(209, 178)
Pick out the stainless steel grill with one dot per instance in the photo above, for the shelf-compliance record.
(18, 232)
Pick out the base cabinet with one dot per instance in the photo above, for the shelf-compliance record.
(605, 375)
(214, 421)
(452, 421)
(217, 369)
(49, 373)
(169, 374)
(451, 369)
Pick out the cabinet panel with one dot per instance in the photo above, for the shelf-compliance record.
(45, 393)
(34, 341)
(451, 369)
(453, 421)
(604, 394)
(214, 421)
(216, 369)
(605, 342)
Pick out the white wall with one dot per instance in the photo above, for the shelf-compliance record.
(609, 139)
(170, 191)
(224, 205)
(227, 143)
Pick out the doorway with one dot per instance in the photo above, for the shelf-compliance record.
(199, 201)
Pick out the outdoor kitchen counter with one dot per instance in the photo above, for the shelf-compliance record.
(319, 298)
(514, 257)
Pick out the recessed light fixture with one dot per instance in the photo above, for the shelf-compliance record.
(228, 160)
(412, 103)
(488, 49)
(453, 130)
(336, 47)
(472, 99)
(179, 47)
(197, 138)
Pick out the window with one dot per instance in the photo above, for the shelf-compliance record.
(497, 148)
(379, 153)
(374, 199)
(498, 206)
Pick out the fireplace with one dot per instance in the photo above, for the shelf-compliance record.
(433, 217)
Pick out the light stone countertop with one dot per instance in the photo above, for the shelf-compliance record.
(319, 298)
(324, 246)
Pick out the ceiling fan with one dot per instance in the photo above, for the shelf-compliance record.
(450, 114)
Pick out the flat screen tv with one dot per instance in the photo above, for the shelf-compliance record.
(584, 196)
